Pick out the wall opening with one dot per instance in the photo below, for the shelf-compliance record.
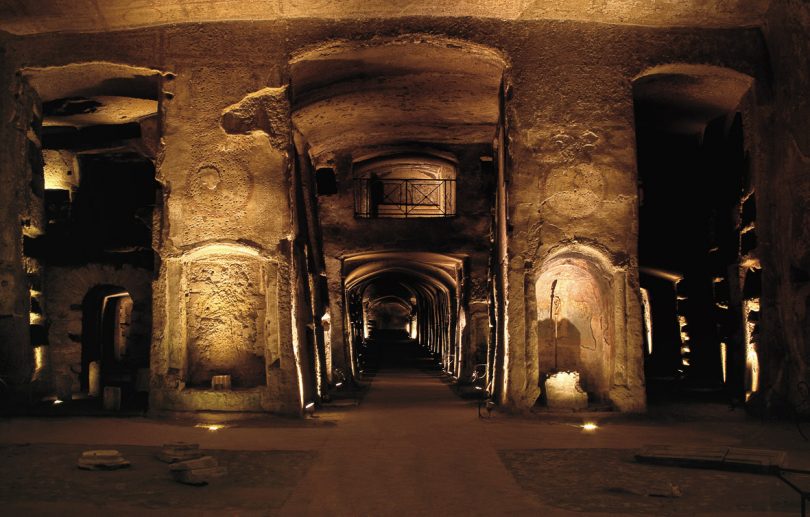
(697, 229)
(97, 128)
(404, 309)
(574, 322)
(110, 356)
(405, 187)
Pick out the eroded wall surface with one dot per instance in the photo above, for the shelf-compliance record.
(66, 290)
(786, 262)
(225, 165)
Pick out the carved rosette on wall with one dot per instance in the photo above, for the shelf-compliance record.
(575, 191)
(220, 191)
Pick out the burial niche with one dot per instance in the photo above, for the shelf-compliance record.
(574, 325)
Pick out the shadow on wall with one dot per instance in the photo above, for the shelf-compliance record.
(574, 331)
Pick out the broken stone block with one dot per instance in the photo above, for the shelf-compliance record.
(102, 460)
(668, 490)
(197, 471)
(179, 451)
(754, 460)
(198, 463)
(199, 476)
(564, 392)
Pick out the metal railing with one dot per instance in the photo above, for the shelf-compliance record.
(404, 198)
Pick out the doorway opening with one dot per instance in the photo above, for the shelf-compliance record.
(110, 357)
(698, 257)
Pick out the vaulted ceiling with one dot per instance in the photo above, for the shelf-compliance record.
(41, 16)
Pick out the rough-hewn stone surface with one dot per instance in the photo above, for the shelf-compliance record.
(119, 14)
(786, 229)
(66, 289)
(224, 162)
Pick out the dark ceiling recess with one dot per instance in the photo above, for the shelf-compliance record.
(326, 181)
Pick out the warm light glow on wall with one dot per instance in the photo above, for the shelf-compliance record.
(645, 303)
(751, 355)
(296, 344)
(724, 360)
(40, 360)
(685, 349)
(563, 390)
(60, 170)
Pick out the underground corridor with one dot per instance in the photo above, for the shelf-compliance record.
(446, 258)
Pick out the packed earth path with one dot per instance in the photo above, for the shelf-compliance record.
(412, 446)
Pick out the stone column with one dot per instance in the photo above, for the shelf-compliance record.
(223, 299)
(16, 213)
(572, 183)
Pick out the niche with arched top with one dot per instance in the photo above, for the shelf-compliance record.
(405, 187)
(574, 328)
(226, 307)
(107, 313)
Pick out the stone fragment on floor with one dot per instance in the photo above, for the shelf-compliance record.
(102, 460)
(198, 471)
(174, 452)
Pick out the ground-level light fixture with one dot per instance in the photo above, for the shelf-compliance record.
(589, 426)
(211, 427)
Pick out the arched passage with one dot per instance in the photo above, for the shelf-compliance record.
(109, 357)
(395, 147)
(698, 255)
(400, 296)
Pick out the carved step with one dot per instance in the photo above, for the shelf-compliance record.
(719, 457)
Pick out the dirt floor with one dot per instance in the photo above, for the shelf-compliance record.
(411, 447)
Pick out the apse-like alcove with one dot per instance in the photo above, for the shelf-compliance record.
(225, 311)
(574, 322)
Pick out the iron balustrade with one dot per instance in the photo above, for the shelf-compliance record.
(404, 197)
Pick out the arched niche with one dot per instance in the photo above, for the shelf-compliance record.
(405, 186)
(106, 322)
(575, 329)
(226, 315)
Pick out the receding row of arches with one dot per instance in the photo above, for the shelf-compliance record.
(403, 226)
